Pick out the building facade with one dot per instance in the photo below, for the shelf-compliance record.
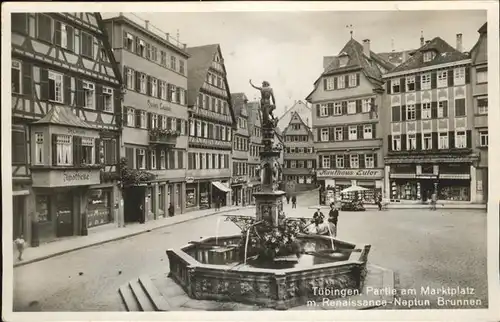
(428, 114)
(255, 147)
(299, 107)
(299, 169)
(155, 116)
(241, 150)
(346, 125)
(66, 111)
(479, 83)
(211, 125)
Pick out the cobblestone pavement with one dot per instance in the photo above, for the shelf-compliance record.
(424, 248)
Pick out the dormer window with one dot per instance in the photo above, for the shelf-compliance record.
(395, 86)
(428, 56)
(343, 59)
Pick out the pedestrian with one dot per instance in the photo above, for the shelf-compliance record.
(379, 202)
(171, 210)
(20, 243)
(287, 199)
(333, 216)
(318, 216)
(294, 202)
(433, 201)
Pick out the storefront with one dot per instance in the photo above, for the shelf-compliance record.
(239, 191)
(333, 181)
(204, 194)
(99, 207)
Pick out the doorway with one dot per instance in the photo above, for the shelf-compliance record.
(64, 214)
(134, 198)
(18, 217)
(426, 189)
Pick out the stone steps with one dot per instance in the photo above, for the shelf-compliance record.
(142, 294)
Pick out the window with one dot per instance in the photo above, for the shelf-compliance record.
(309, 164)
(482, 105)
(173, 63)
(369, 161)
(459, 76)
(396, 142)
(130, 117)
(427, 141)
(87, 47)
(44, 24)
(337, 108)
(354, 161)
(442, 78)
(89, 94)
(141, 159)
(428, 56)
(426, 81)
(339, 133)
(55, 87)
(460, 107)
(143, 83)
(365, 107)
(163, 90)
(411, 142)
(154, 53)
(19, 22)
(64, 35)
(107, 96)
(88, 153)
(326, 162)
(367, 131)
(16, 77)
(154, 87)
(482, 76)
(142, 48)
(460, 140)
(442, 109)
(182, 97)
(339, 161)
(162, 159)
(293, 164)
(153, 159)
(395, 85)
(163, 58)
(64, 150)
(340, 82)
(410, 83)
(143, 119)
(38, 148)
(443, 140)
(353, 132)
(324, 135)
(426, 110)
(130, 79)
(330, 84)
(154, 121)
(411, 112)
(181, 67)
(172, 93)
(396, 113)
(351, 107)
(323, 110)
(129, 42)
(483, 138)
(353, 80)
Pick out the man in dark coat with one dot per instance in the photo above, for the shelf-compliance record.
(171, 210)
(294, 202)
(333, 216)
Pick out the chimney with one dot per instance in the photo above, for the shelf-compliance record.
(147, 24)
(459, 42)
(167, 36)
(421, 38)
(366, 47)
(404, 56)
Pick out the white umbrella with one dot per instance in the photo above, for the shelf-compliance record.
(353, 189)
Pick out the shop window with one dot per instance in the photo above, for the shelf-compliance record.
(42, 208)
(88, 154)
(89, 95)
(16, 77)
(405, 190)
(98, 207)
(460, 140)
(454, 190)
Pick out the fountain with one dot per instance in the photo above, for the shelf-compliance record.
(274, 262)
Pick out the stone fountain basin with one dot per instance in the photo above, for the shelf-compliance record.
(210, 271)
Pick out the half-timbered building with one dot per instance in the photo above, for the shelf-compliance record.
(66, 103)
(155, 115)
(255, 147)
(211, 125)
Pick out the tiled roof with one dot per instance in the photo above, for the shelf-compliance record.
(238, 100)
(62, 115)
(285, 118)
(397, 57)
(444, 54)
(304, 131)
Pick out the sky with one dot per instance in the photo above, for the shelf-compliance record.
(287, 48)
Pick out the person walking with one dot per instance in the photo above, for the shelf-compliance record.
(333, 216)
(294, 202)
(379, 202)
(171, 210)
(433, 201)
(20, 244)
(287, 199)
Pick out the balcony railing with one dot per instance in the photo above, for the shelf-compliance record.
(163, 139)
(214, 90)
(212, 115)
(209, 142)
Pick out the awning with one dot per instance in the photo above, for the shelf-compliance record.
(219, 185)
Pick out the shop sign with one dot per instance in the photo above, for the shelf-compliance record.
(353, 173)
(158, 105)
(426, 176)
(189, 179)
(64, 178)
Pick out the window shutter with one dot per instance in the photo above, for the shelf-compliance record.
(148, 51)
(434, 140)
(419, 141)
(114, 151)
(77, 149)
(345, 134)
(403, 142)
(374, 130)
(333, 164)
(335, 85)
(137, 165)
(388, 86)
(330, 109)
(124, 39)
(99, 97)
(389, 140)
(450, 77)
(434, 110)
(169, 93)
(468, 134)
(177, 95)
(445, 109)
(331, 133)
(451, 139)
(158, 155)
(27, 78)
(137, 47)
(417, 82)
(148, 159)
(467, 75)
(402, 84)
(129, 155)
(358, 78)
(361, 158)
(344, 107)
(137, 81)
(67, 89)
(54, 149)
(80, 99)
(125, 80)
(418, 109)
(433, 80)
(358, 106)
(150, 120)
(347, 161)
(318, 108)
(125, 116)
(57, 32)
(318, 139)
(403, 113)
(346, 81)
(44, 84)
(148, 85)
(359, 131)
(324, 83)
(97, 151)
(138, 118)
(375, 160)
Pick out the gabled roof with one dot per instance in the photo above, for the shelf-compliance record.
(200, 60)
(238, 100)
(444, 54)
(62, 115)
(298, 104)
(482, 33)
(296, 116)
(397, 57)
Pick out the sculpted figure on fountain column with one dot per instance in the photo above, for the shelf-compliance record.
(266, 95)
